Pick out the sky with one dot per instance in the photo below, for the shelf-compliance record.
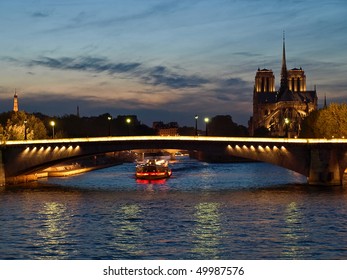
(164, 60)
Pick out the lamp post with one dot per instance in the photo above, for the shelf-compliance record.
(52, 123)
(286, 121)
(109, 125)
(196, 125)
(206, 122)
(128, 121)
(25, 129)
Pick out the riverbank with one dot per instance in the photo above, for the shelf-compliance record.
(61, 172)
(65, 171)
(75, 167)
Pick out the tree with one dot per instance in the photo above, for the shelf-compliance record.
(223, 125)
(20, 124)
(330, 122)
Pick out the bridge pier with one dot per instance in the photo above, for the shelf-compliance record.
(2, 171)
(13, 180)
(324, 168)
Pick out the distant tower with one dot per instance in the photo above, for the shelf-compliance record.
(78, 111)
(15, 102)
(325, 102)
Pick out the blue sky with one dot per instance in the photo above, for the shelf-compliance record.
(164, 60)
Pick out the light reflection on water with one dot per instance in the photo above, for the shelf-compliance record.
(128, 230)
(207, 231)
(53, 231)
(292, 232)
(205, 211)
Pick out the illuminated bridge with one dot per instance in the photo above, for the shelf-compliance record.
(322, 161)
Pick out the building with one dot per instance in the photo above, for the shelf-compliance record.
(280, 113)
(169, 129)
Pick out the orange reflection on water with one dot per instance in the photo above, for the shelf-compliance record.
(155, 182)
(55, 228)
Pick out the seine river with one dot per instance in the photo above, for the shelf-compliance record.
(204, 211)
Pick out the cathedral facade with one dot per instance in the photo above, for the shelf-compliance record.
(279, 113)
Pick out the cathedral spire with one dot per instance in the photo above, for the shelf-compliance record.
(284, 74)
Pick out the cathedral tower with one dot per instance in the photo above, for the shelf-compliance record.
(264, 81)
(297, 80)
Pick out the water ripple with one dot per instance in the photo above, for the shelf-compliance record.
(205, 211)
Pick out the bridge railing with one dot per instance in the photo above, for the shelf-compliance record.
(184, 138)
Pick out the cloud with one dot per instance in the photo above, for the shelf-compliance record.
(9, 59)
(39, 14)
(156, 76)
(160, 75)
(247, 54)
(231, 89)
(121, 17)
(89, 64)
(234, 83)
(155, 10)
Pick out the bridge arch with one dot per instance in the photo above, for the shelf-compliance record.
(26, 157)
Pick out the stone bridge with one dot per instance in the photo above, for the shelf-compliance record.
(322, 161)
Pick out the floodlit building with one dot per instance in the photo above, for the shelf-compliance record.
(169, 129)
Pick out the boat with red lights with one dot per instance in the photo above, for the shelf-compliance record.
(153, 169)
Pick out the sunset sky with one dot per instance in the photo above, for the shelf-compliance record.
(164, 60)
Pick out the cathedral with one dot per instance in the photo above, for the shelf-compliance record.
(280, 113)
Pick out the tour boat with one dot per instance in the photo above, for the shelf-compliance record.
(153, 169)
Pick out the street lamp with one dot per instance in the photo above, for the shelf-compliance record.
(286, 121)
(128, 121)
(206, 122)
(109, 125)
(25, 129)
(196, 125)
(52, 123)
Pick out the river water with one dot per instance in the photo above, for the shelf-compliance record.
(204, 211)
